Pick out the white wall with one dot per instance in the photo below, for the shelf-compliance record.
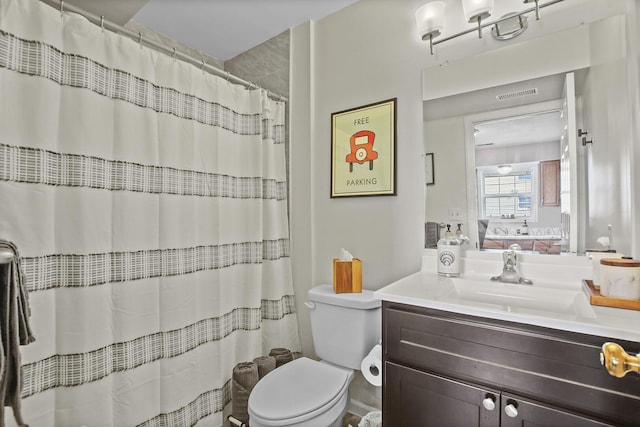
(606, 114)
(633, 32)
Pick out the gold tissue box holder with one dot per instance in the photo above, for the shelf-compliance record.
(347, 276)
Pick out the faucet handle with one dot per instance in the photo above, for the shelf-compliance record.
(515, 247)
(509, 257)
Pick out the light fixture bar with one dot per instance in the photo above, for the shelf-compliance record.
(488, 24)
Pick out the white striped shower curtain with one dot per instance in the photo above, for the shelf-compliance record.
(148, 201)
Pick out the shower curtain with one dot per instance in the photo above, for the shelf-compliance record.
(148, 201)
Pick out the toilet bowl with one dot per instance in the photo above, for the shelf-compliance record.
(310, 393)
(302, 393)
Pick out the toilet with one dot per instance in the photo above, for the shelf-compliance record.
(310, 393)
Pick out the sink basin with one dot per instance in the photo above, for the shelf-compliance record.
(526, 299)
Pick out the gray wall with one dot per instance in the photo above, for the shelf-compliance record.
(266, 65)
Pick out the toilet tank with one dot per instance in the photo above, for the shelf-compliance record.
(345, 327)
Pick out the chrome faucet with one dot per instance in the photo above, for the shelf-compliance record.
(509, 272)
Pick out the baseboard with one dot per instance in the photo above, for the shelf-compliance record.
(360, 409)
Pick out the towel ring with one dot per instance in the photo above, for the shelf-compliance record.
(5, 257)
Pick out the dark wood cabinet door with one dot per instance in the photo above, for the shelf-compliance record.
(414, 398)
(550, 183)
(517, 412)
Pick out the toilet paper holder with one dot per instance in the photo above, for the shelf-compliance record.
(371, 365)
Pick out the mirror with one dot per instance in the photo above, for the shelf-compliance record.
(518, 194)
(570, 181)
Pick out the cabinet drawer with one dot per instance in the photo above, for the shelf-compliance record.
(562, 368)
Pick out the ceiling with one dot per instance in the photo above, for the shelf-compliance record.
(218, 28)
(527, 129)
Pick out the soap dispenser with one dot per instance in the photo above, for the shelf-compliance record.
(449, 254)
(525, 228)
(460, 236)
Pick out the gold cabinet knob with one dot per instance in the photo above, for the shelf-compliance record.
(617, 362)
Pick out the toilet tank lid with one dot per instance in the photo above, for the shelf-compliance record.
(325, 294)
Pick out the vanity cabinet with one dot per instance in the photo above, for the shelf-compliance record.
(448, 369)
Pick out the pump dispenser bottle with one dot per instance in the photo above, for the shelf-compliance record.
(449, 254)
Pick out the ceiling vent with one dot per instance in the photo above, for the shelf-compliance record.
(517, 94)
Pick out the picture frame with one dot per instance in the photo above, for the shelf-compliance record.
(363, 150)
(429, 170)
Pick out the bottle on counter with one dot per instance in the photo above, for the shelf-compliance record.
(460, 235)
(449, 254)
(525, 228)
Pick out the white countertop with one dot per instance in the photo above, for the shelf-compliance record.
(427, 289)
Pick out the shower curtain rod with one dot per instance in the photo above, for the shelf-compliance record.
(104, 23)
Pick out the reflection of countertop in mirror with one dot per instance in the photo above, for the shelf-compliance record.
(522, 237)
(561, 274)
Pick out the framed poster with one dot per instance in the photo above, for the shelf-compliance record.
(363, 145)
(429, 172)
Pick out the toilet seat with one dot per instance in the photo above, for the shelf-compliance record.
(298, 391)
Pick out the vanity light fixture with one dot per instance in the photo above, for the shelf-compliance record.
(476, 11)
(537, 8)
(504, 169)
(430, 20)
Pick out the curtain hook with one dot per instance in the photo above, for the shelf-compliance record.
(174, 53)
(203, 64)
(228, 77)
(140, 39)
(61, 6)
(102, 23)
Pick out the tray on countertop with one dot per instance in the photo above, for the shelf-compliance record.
(595, 298)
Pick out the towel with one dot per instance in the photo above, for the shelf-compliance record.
(372, 419)
(282, 356)
(265, 364)
(14, 331)
(244, 379)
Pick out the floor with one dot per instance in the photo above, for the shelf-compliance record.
(350, 420)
